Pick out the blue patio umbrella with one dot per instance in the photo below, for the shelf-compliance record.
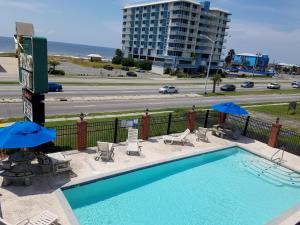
(25, 135)
(230, 108)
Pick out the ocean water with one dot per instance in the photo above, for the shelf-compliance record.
(60, 48)
(209, 189)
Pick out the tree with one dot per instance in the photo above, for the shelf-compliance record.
(117, 59)
(53, 64)
(229, 57)
(119, 53)
(217, 79)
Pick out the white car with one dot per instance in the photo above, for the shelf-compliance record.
(273, 86)
(168, 90)
(296, 85)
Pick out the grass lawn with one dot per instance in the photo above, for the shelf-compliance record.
(257, 92)
(85, 63)
(280, 111)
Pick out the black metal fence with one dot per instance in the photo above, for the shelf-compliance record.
(115, 130)
(66, 137)
(289, 140)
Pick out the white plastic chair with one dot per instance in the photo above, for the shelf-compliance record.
(177, 139)
(105, 151)
(133, 142)
(44, 218)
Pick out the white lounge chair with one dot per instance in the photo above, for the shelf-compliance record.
(105, 151)
(177, 139)
(133, 142)
(201, 134)
(44, 218)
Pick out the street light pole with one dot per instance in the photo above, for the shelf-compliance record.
(210, 58)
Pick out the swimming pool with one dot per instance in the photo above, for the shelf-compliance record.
(230, 186)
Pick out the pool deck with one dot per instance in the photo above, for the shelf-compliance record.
(19, 202)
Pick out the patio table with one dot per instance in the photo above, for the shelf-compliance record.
(22, 157)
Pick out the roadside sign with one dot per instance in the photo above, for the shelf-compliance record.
(33, 71)
(33, 64)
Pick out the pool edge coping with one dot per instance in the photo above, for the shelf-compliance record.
(72, 219)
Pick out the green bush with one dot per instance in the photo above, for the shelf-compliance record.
(117, 60)
(127, 62)
(57, 72)
(143, 64)
(167, 71)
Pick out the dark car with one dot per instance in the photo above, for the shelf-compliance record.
(54, 87)
(228, 87)
(108, 67)
(247, 84)
(131, 74)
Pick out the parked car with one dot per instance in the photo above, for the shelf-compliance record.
(228, 87)
(234, 70)
(131, 74)
(247, 84)
(295, 82)
(125, 68)
(296, 85)
(273, 86)
(54, 87)
(140, 70)
(168, 90)
(108, 67)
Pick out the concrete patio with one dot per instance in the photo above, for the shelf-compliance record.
(19, 202)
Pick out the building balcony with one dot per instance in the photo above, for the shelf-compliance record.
(176, 49)
(228, 20)
(227, 27)
(204, 44)
(178, 33)
(179, 16)
(180, 7)
(176, 41)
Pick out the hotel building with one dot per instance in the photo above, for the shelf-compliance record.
(173, 33)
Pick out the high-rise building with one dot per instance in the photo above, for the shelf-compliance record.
(174, 33)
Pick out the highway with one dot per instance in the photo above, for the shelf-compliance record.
(14, 91)
(55, 108)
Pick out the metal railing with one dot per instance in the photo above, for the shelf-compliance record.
(114, 130)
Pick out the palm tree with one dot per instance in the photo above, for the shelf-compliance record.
(217, 79)
(53, 64)
(229, 57)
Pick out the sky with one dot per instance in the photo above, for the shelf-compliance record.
(266, 26)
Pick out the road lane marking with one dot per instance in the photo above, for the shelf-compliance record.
(84, 106)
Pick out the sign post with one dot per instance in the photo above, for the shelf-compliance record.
(33, 72)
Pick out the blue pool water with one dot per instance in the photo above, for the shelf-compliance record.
(214, 188)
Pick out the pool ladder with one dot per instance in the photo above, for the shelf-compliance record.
(279, 159)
